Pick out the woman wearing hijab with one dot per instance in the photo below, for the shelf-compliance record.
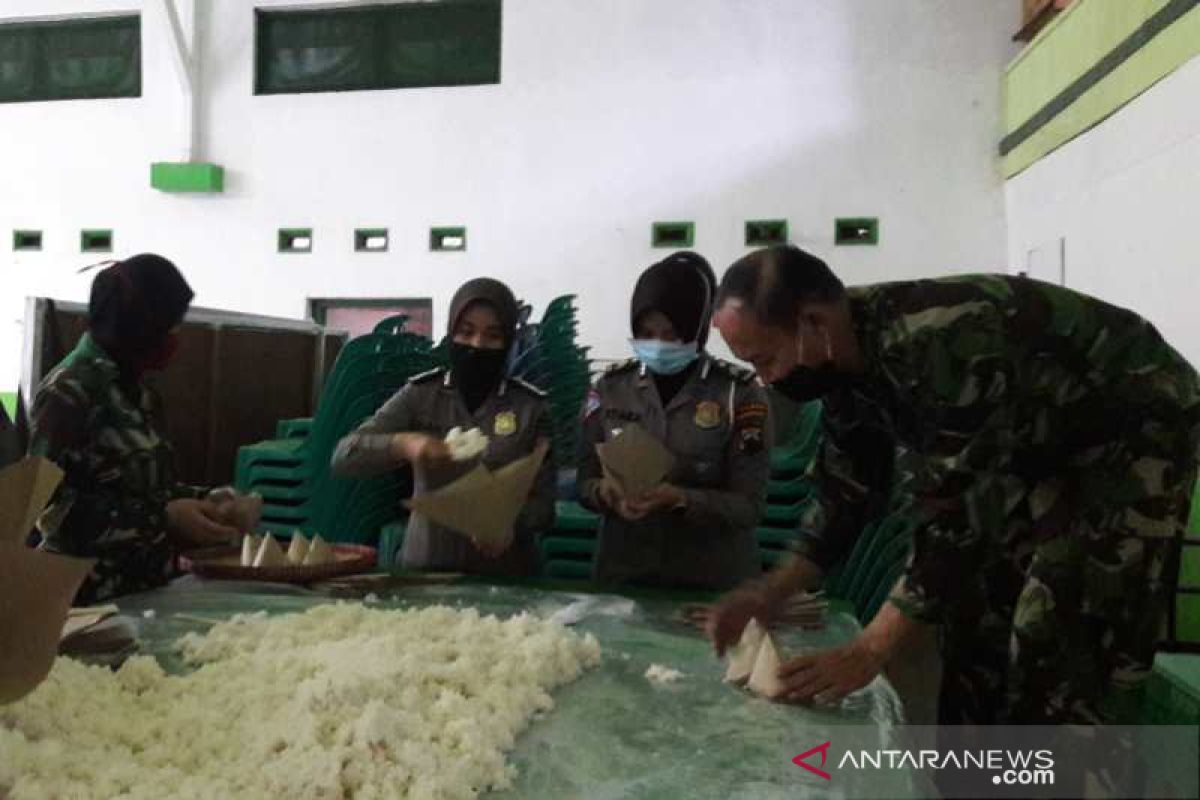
(697, 528)
(474, 392)
(120, 502)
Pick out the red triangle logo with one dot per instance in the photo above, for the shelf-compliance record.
(802, 760)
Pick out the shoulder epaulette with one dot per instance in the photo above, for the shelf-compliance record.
(427, 376)
(622, 366)
(527, 386)
(739, 374)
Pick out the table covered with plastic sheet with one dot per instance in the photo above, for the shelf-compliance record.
(615, 733)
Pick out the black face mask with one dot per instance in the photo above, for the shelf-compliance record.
(803, 384)
(477, 371)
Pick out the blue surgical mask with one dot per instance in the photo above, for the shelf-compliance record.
(665, 358)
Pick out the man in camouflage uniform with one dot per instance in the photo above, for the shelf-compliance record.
(1056, 438)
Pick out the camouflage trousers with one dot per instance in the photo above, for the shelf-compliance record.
(1078, 587)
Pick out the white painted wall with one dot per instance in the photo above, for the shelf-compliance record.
(611, 114)
(1125, 200)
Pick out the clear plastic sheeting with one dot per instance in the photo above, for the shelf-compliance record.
(614, 734)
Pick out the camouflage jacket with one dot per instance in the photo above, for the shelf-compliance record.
(998, 386)
(119, 472)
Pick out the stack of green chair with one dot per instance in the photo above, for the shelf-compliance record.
(1187, 598)
(1172, 693)
(555, 363)
(794, 456)
(569, 550)
(391, 540)
(790, 493)
(300, 427)
(292, 473)
(875, 563)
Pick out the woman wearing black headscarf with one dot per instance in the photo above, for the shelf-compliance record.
(697, 528)
(475, 392)
(120, 502)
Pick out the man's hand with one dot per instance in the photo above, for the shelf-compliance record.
(828, 676)
(732, 613)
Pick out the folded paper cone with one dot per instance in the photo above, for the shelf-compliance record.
(745, 653)
(80, 619)
(483, 504)
(270, 554)
(25, 488)
(36, 590)
(764, 680)
(250, 545)
(297, 549)
(635, 460)
(319, 552)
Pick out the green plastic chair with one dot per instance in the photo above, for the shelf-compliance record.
(391, 540)
(771, 558)
(802, 443)
(776, 538)
(874, 565)
(784, 491)
(282, 481)
(358, 356)
(569, 558)
(882, 563)
(376, 373)
(784, 515)
(296, 428)
(551, 547)
(1187, 597)
(571, 517)
(564, 569)
(392, 325)
(306, 495)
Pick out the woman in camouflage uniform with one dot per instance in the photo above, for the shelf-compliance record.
(1057, 440)
(119, 502)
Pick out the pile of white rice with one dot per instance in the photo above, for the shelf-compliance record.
(339, 702)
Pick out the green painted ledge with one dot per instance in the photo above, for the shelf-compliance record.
(1095, 58)
(187, 177)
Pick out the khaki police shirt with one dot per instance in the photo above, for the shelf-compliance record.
(717, 426)
(514, 418)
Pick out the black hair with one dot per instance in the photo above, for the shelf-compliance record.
(135, 303)
(682, 287)
(776, 281)
(493, 293)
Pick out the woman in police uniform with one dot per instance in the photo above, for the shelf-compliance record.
(473, 393)
(697, 528)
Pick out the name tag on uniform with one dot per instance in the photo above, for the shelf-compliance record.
(506, 423)
(708, 414)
